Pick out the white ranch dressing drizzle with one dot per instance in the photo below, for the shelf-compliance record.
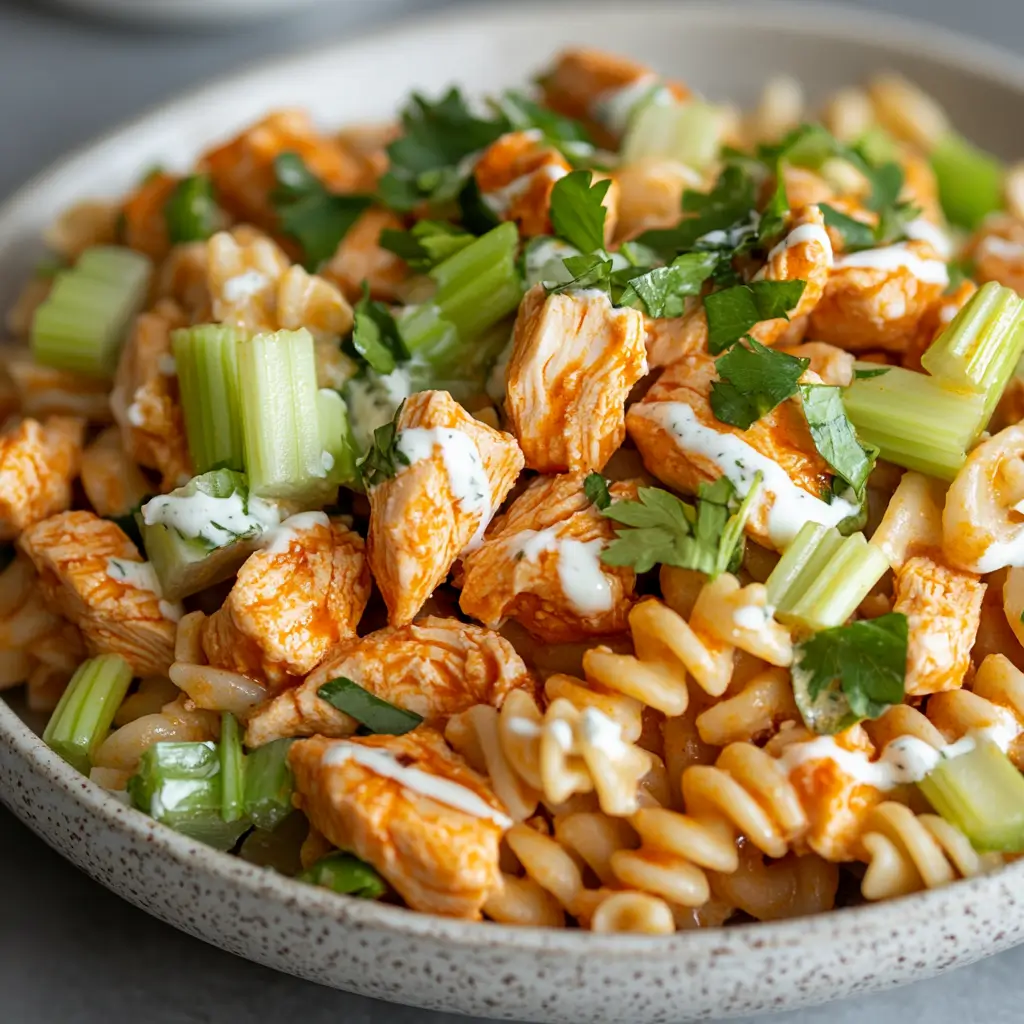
(788, 505)
(801, 235)
(921, 230)
(218, 521)
(501, 199)
(1002, 553)
(467, 475)
(444, 791)
(279, 540)
(244, 286)
(134, 415)
(372, 401)
(615, 107)
(142, 576)
(604, 733)
(1001, 248)
(896, 257)
(579, 567)
(752, 617)
(904, 760)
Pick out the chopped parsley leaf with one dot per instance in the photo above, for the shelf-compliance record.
(316, 218)
(427, 243)
(662, 291)
(864, 662)
(661, 528)
(859, 374)
(587, 272)
(834, 436)
(428, 162)
(191, 212)
(375, 334)
(577, 210)
(856, 234)
(753, 381)
(596, 489)
(384, 458)
(732, 312)
(377, 716)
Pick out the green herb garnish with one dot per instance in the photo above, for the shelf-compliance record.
(316, 218)
(662, 291)
(732, 312)
(375, 335)
(596, 489)
(834, 436)
(864, 662)
(427, 243)
(375, 714)
(191, 212)
(753, 381)
(384, 458)
(577, 210)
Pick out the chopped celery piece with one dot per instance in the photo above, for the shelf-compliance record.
(476, 288)
(200, 534)
(916, 421)
(982, 346)
(85, 712)
(280, 429)
(970, 181)
(207, 363)
(346, 874)
(982, 794)
(232, 769)
(179, 784)
(339, 447)
(83, 321)
(268, 784)
(823, 577)
(689, 133)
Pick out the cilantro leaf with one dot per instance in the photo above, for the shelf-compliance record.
(375, 335)
(662, 291)
(856, 234)
(428, 243)
(384, 458)
(577, 211)
(864, 661)
(191, 213)
(316, 218)
(859, 374)
(427, 163)
(522, 114)
(596, 489)
(754, 381)
(834, 436)
(732, 312)
(729, 203)
(587, 272)
(661, 528)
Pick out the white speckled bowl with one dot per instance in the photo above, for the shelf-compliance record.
(492, 971)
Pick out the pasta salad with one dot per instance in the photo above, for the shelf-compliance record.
(596, 506)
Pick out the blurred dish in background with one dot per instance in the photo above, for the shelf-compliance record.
(183, 12)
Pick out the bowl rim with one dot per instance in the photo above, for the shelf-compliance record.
(962, 54)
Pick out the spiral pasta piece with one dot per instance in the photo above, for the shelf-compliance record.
(745, 793)
(668, 648)
(906, 853)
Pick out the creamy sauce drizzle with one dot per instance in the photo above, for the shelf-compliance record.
(278, 541)
(444, 791)
(614, 108)
(244, 286)
(1001, 248)
(501, 199)
(905, 760)
(142, 576)
(788, 506)
(467, 476)
(897, 257)
(922, 230)
(579, 568)
(802, 235)
(218, 521)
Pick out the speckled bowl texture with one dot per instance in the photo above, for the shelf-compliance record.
(488, 970)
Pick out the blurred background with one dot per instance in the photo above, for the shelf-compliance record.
(69, 951)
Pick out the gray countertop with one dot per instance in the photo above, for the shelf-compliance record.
(70, 952)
